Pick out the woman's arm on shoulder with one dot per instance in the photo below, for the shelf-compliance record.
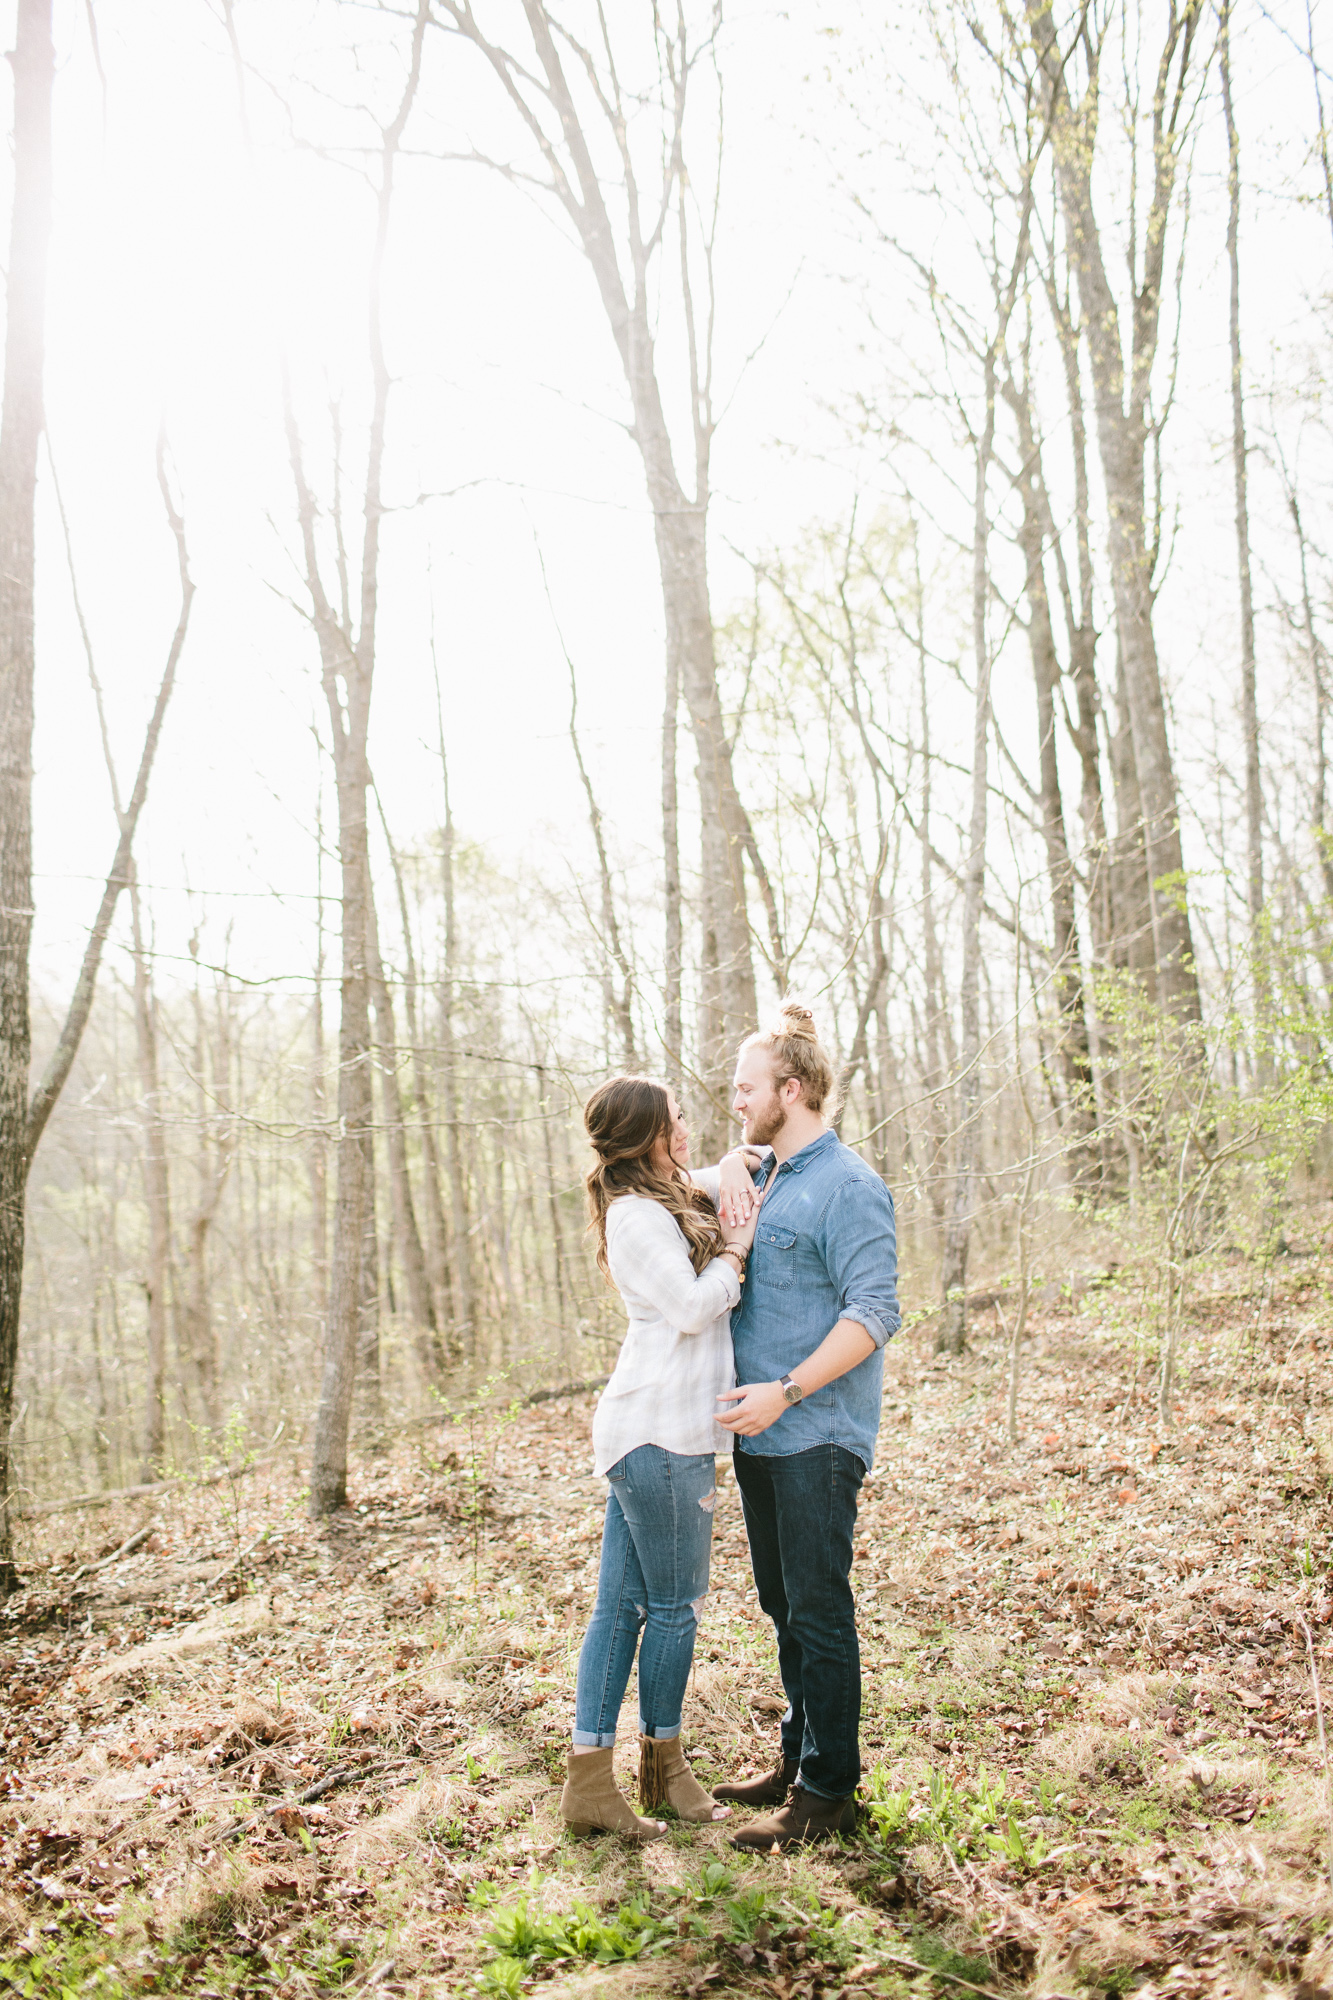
(737, 1197)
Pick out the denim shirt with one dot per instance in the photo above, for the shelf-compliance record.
(825, 1249)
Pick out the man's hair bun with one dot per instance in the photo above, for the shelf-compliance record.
(797, 1020)
(795, 1048)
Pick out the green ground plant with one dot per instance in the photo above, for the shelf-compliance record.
(969, 1821)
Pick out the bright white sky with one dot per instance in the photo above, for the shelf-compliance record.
(177, 271)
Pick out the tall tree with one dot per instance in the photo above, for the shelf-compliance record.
(347, 660)
(1066, 967)
(33, 68)
(23, 1118)
(158, 1281)
(157, 1196)
(437, 1235)
(967, 1091)
(411, 1256)
(1249, 702)
(1125, 428)
(573, 101)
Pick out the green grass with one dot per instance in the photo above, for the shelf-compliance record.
(730, 1924)
(74, 1963)
(941, 1958)
(1145, 1815)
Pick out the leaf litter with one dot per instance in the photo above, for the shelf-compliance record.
(259, 1755)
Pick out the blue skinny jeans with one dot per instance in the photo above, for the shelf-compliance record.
(656, 1546)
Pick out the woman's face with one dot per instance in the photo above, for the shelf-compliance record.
(671, 1149)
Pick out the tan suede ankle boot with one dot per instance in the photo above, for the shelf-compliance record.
(591, 1802)
(666, 1779)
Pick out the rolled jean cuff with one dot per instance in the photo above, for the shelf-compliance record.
(665, 1734)
(815, 1791)
(594, 1739)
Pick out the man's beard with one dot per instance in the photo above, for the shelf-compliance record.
(763, 1128)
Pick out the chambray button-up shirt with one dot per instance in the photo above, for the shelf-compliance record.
(825, 1249)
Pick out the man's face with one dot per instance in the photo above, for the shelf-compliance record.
(756, 1101)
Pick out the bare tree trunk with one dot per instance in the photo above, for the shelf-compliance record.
(967, 1093)
(1132, 944)
(317, 1154)
(1066, 960)
(1249, 704)
(675, 948)
(157, 1199)
(420, 1307)
(1123, 431)
(618, 1002)
(967, 1096)
(21, 419)
(937, 1027)
(369, 1386)
(1322, 832)
(465, 1313)
(553, 1204)
(348, 1333)
(1081, 631)
(33, 62)
(437, 1238)
(215, 1150)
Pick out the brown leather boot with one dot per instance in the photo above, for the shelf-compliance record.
(666, 1779)
(804, 1818)
(770, 1790)
(592, 1803)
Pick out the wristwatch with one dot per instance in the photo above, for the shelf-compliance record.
(792, 1392)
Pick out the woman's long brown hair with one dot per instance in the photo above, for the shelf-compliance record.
(624, 1120)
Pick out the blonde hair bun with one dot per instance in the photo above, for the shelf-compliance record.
(797, 1020)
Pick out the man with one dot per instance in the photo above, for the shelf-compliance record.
(818, 1304)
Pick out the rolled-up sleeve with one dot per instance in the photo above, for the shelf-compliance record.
(648, 1257)
(859, 1241)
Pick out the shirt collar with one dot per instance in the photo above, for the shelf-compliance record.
(800, 1161)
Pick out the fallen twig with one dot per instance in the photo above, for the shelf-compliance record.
(126, 1548)
(326, 1783)
(306, 1798)
(109, 1497)
(238, 1559)
(1299, 1619)
(936, 1972)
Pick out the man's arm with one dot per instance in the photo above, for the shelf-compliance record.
(860, 1250)
(759, 1405)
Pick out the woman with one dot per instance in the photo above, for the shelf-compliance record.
(654, 1437)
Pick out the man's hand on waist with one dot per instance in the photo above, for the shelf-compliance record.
(760, 1404)
(758, 1407)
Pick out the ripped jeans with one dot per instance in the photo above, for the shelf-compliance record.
(656, 1545)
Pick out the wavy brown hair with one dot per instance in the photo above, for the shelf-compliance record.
(624, 1119)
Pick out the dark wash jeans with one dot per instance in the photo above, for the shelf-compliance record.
(800, 1510)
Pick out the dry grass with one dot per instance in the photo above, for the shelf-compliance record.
(1101, 1618)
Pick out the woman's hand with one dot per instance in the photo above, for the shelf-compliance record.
(737, 1197)
(740, 1235)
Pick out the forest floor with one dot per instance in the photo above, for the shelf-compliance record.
(263, 1756)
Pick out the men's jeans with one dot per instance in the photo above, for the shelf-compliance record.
(656, 1546)
(800, 1511)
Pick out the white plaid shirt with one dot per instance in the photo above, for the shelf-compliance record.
(676, 1358)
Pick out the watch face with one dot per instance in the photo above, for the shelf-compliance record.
(792, 1392)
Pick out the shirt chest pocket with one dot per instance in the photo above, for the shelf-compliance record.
(776, 1262)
